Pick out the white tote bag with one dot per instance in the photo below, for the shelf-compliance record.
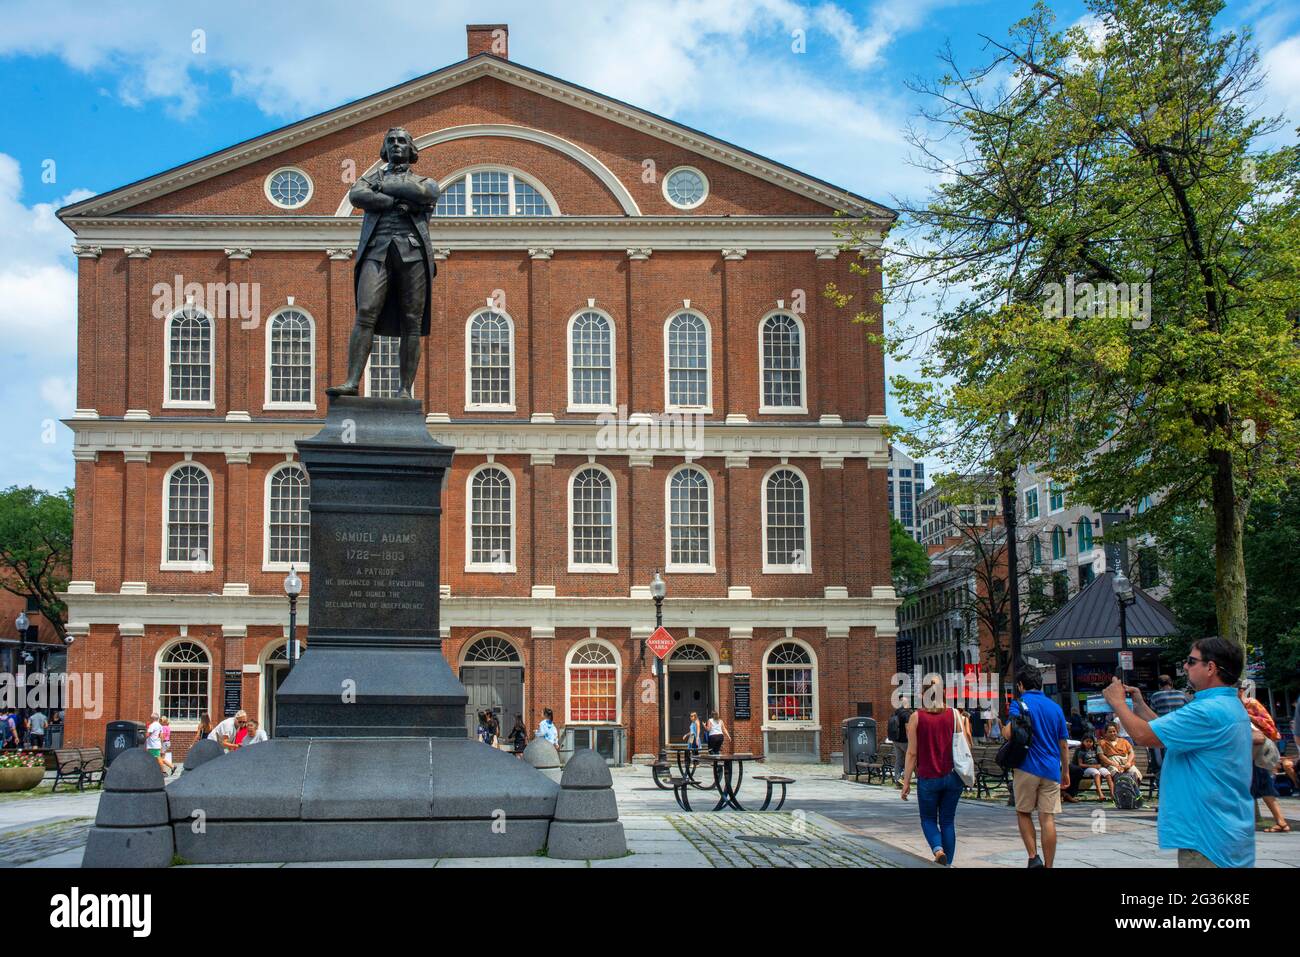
(962, 760)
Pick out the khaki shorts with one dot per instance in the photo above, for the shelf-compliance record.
(1036, 794)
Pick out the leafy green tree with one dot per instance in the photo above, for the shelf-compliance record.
(36, 547)
(1112, 266)
(909, 563)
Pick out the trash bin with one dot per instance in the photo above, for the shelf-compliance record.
(859, 742)
(121, 736)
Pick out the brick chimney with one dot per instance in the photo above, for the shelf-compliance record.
(491, 38)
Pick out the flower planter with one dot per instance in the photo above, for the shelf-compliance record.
(20, 779)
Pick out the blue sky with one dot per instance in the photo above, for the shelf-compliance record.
(100, 94)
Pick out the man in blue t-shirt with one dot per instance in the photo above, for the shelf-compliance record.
(1046, 768)
(1206, 811)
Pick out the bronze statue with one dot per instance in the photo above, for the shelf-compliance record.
(394, 269)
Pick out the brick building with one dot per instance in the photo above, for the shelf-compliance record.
(630, 352)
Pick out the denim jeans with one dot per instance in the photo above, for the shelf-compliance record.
(937, 800)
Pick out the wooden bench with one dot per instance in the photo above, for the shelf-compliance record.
(773, 780)
(84, 764)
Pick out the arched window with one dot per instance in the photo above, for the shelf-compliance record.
(691, 653)
(187, 519)
(289, 352)
(687, 362)
(492, 192)
(189, 359)
(288, 518)
(183, 678)
(492, 650)
(491, 521)
(591, 362)
(783, 375)
(1035, 551)
(591, 520)
(1085, 535)
(785, 522)
(690, 521)
(384, 370)
(490, 382)
(1058, 543)
(593, 681)
(790, 683)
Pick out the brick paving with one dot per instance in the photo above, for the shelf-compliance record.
(18, 847)
(792, 840)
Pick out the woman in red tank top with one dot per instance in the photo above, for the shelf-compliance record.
(929, 753)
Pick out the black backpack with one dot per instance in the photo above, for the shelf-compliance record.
(1015, 749)
(897, 727)
(1128, 795)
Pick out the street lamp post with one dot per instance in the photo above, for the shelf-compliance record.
(657, 591)
(292, 588)
(1125, 597)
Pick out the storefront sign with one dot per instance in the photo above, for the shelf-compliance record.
(740, 695)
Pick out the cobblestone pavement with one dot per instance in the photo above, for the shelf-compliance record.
(782, 839)
(43, 841)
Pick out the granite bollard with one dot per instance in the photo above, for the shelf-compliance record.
(131, 827)
(586, 825)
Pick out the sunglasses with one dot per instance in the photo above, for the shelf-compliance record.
(1193, 661)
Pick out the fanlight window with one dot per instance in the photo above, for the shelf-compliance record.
(690, 653)
(491, 193)
(183, 682)
(789, 683)
(492, 649)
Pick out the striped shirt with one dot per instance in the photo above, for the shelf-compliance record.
(1166, 700)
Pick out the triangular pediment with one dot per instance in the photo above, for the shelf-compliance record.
(447, 78)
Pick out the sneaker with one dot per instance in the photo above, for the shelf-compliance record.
(1036, 861)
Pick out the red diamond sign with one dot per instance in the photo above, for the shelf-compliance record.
(661, 642)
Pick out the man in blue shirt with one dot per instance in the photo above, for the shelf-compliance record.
(1046, 768)
(1206, 811)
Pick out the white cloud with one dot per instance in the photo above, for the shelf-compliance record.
(60, 393)
(1282, 88)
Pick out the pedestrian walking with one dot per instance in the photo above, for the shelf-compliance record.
(547, 730)
(8, 729)
(1265, 759)
(932, 731)
(717, 732)
(153, 740)
(896, 729)
(165, 736)
(37, 723)
(519, 736)
(1206, 812)
(694, 738)
(1046, 768)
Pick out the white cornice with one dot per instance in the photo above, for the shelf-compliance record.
(733, 442)
(312, 128)
(323, 233)
(498, 612)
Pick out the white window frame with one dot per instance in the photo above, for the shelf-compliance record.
(1060, 486)
(472, 566)
(815, 723)
(611, 406)
(178, 725)
(1038, 510)
(707, 408)
(618, 684)
(266, 187)
(267, 564)
(595, 568)
(769, 569)
(168, 401)
(188, 565)
(471, 406)
(514, 174)
(669, 564)
(802, 407)
(698, 172)
(310, 404)
(365, 376)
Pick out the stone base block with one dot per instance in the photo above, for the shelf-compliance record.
(264, 842)
(128, 847)
(586, 806)
(571, 841)
(126, 809)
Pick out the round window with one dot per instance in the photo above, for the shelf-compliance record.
(685, 187)
(288, 188)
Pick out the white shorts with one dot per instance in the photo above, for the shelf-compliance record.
(1096, 772)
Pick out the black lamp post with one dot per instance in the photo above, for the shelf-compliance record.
(1125, 597)
(292, 588)
(657, 591)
